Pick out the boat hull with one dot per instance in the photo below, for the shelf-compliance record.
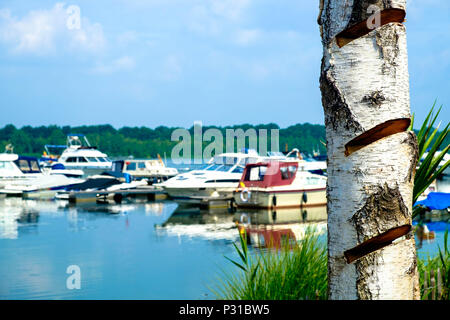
(273, 199)
(199, 195)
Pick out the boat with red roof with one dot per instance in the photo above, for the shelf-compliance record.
(279, 184)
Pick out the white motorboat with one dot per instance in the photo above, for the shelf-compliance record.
(279, 184)
(80, 155)
(218, 179)
(152, 170)
(20, 175)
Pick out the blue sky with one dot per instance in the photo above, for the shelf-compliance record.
(172, 62)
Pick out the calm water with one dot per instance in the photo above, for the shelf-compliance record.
(120, 250)
(133, 250)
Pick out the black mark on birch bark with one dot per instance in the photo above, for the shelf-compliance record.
(364, 270)
(375, 98)
(386, 39)
(337, 112)
(411, 140)
(384, 209)
(383, 218)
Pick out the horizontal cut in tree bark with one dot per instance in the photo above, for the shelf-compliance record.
(380, 131)
(361, 28)
(376, 243)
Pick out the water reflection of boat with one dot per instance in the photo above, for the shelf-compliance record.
(193, 222)
(277, 185)
(267, 228)
(15, 214)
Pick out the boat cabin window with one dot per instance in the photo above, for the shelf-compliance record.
(256, 173)
(103, 159)
(288, 172)
(131, 166)
(28, 165)
(82, 159)
(141, 165)
(34, 165)
(71, 159)
(7, 166)
(92, 159)
(24, 166)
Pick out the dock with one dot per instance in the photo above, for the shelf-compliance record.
(207, 202)
(149, 193)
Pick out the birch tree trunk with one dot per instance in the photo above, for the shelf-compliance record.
(371, 154)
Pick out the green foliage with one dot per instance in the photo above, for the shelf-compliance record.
(143, 142)
(426, 266)
(291, 273)
(430, 139)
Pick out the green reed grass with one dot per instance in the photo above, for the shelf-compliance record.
(426, 266)
(292, 272)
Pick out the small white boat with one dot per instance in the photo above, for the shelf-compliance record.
(80, 155)
(20, 175)
(153, 170)
(279, 184)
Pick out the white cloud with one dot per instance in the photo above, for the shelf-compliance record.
(248, 36)
(125, 63)
(43, 32)
(127, 37)
(213, 16)
(230, 9)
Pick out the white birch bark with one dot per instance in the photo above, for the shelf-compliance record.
(364, 84)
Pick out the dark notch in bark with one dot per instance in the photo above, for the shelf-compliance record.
(376, 243)
(380, 131)
(358, 25)
(382, 219)
(337, 112)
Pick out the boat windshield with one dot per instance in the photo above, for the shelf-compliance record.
(225, 168)
(6, 166)
(212, 167)
(28, 165)
(231, 161)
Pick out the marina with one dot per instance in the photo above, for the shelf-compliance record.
(136, 249)
(133, 239)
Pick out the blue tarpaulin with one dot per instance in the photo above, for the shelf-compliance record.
(436, 201)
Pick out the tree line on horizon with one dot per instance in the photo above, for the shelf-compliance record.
(144, 142)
